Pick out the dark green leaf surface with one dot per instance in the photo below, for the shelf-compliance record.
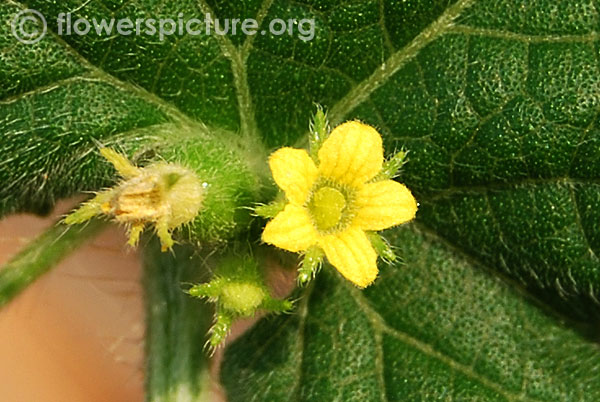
(433, 328)
(497, 103)
(501, 130)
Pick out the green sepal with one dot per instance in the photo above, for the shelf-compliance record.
(311, 263)
(220, 329)
(382, 247)
(270, 210)
(318, 132)
(392, 166)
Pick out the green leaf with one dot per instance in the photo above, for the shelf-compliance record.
(500, 120)
(62, 96)
(54, 105)
(497, 105)
(434, 327)
(496, 102)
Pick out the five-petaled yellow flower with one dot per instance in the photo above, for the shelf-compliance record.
(332, 205)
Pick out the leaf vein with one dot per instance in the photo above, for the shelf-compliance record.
(494, 33)
(362, 91)
(584, 233)
(499, 186)
(144, 94)
(378, 322)
(248, 124)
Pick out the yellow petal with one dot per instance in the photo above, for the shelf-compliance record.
(291, 230)
(353, 153)
(351, 253)
(384, 204)
(294, 172)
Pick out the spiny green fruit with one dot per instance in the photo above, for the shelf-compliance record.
(238, 290)
(193, 188)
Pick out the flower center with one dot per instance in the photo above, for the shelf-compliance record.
(326, 207)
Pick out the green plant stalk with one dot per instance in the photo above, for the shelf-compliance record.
(43, 253)
(177, 364)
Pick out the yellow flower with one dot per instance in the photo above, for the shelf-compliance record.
(332, 205)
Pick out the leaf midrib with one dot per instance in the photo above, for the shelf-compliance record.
(237, 58)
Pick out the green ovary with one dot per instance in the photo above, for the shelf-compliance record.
(243, 298)
(326, 207)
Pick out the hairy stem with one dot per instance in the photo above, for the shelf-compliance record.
(177, 365)
(43, 253)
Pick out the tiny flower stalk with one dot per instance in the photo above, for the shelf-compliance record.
(337, 198)
(237, 290)
(194, 191)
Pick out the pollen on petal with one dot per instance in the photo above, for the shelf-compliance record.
(384, 204)
(294, 172)
(353, 154)
(291, 230)
(352, 254)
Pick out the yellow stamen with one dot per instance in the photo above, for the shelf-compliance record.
(326, 207)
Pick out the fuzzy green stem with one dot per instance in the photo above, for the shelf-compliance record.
(43, 253)
(177, 364)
